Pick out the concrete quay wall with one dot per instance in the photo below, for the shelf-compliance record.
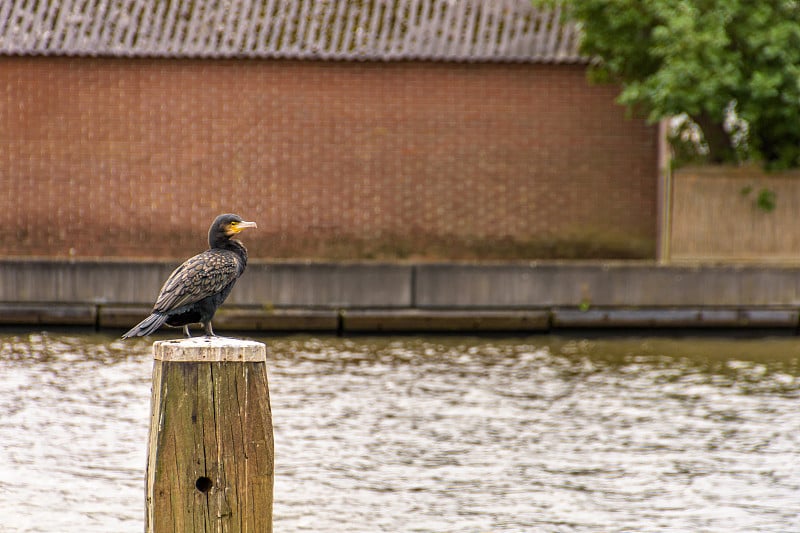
(417, 297)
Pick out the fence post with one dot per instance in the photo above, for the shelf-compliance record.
(210, 459)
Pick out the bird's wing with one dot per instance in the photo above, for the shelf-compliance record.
(198, 277)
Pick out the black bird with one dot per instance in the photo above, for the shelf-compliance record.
(195, 289)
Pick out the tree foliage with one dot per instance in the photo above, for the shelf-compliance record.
(731, 66)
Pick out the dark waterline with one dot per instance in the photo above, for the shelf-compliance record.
(433, 434)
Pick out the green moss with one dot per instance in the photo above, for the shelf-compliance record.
(421, 247)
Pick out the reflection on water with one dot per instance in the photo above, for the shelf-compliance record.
(433, 434)
(74, 431)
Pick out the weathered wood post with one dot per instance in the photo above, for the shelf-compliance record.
(211, 456)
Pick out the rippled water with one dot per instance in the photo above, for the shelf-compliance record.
(435, 434)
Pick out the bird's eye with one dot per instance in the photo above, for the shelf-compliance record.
(234, 223)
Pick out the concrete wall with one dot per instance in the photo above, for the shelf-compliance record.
(417, 297)
(605, 284)
(423, 285)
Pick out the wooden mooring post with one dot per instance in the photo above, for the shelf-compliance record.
(210, 458)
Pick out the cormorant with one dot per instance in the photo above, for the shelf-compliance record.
(195, 289)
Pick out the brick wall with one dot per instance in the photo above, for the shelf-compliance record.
(134, 158)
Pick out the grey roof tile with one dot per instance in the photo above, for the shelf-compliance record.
(445, 30)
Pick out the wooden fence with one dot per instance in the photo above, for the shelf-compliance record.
(734, 214)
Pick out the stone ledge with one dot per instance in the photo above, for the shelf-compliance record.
(675, 318)
(233, 318)
(411, 320)
(24, 314)
(544, 320)
(277, 320)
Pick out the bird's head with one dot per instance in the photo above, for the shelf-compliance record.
(226, 227)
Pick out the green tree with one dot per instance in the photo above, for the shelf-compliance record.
(731, 66)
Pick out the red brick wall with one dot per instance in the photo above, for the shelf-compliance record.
(133, 158)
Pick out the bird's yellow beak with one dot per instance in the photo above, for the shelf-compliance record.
(236, 227)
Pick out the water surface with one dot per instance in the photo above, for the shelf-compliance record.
(450, 434)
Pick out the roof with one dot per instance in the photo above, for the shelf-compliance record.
(445, 30)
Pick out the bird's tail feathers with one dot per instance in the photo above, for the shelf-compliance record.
(147, 326)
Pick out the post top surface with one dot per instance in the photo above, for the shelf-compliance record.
(210, 349)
